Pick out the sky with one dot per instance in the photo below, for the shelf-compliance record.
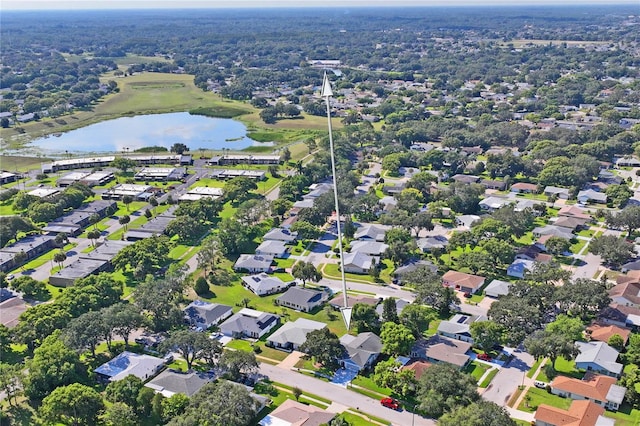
(206, 4)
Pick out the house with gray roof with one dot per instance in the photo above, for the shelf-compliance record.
(400, 305)
(302, 299)
(367, 231)
(598, 357)
(280, 234)
(203, 315)
(589, 196)
(519, 267)
(372, 248)
(411, 266)
(171, 382)
(497, 288)
(554, 231)
(249, 323)
(293, 334)
(361, 350)
(458, 326)
(253, 263)
(562, 193)
(428, 244)
(358, 263)
(140, 365)
(493, 203)
(442, 349)
(294, 413)
(466, 220)
(272, 248)
(263, 284)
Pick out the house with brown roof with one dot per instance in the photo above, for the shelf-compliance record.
(573, 211)
(629, 277)
(418, 367)
(534, 254)
(525, 188)
(627, 294)
(467, 283)
(338, 301)
(580, 413)
(597, 388)
(603, 332)
(442, 349)
(294, 413)
(570, 222)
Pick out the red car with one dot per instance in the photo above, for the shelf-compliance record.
(484, 357)
(390, 403)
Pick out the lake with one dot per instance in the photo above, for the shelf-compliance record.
(131, 133)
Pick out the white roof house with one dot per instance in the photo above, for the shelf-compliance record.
(272, 248)
(293, 333)
(358, 263)
(497, 288)
(494, 203)
(263, 284)
(253, 263)
(374, 248)
(140, 365)
(370, 232)
(279, 234)
(249, 323)
(598, 357)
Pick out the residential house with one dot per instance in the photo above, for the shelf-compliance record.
(294, 413)
(253, 263)
(492, 204)
(634, 265)
(524, 204)
(623, 316)
(571, 223)
(603, 332)
(464, 282)
(442, 349)
(429, 244)
(140, 365)
(458, 327)
(468, 179)
(411, 266)
(171, 382)
(203, 315)
(361, 350)
(562, 193)
(534, 254)
(493, 184)
(263, 284)
(302, 299)
(358, 263)
(272, 248)
(293, 334)
(466, 220)
(338, 301)
(396, 188)
(598, 357)
(368, 231)
(249, 323)
(553, 231)
(400, 305)
(497, 288)
(372, 248)
(280, 234)
(574, 211)
(589, 195)
(524, 188)
(627, 162)
(596, 388)
(32, 246)
(626, 294)
(629, 277)
(580, 413)
(519, 267)
(418, 367)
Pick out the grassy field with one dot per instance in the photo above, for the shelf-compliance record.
(20, 163)
(541, 396)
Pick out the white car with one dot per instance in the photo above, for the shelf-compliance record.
(539, 384)
(10, 277)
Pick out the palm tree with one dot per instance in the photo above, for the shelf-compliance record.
(59, 258)
(124, 220)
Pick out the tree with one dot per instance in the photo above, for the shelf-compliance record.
(11, 378)
(324, 346)
(429, 289)
(396, 339)
(93, 235)
(144, 256)
(547, 273)
(120, 414)
(485, 334)
(238, 189)
(236, 363)
(208, 255)
(160, 299)
(633, 349)
(124, 221)
(127, 200)
(179, 148)
(476, 262)
(443, 388)
(123, 319)
(618, 195)
(417, 317)
(188, 229)
(614, 251)
(306, 271)
(219, 404)
(53, 365)
(123, 164)
(390, 310)
(189, 344)
(30, 288)
(268, 115)
(125, 390)
(516, 316)
(306, 230)
(616, 341)
(38, 322)
(481, 413)
(5, 341)
(297, 392)
(77, 403)
(551, 344)
(10, 226)
(389, 374)
(286, 154)
(93, 220)
(59, 257)
(365, 318)
(583, 298)
(557, 245)
(500, 250)
(19, 258)
(234, 237)
(174, 406)
(201, 286)
(571, 328)
(628, 218)
(86, 331)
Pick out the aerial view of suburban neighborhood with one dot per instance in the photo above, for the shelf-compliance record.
(322, 214)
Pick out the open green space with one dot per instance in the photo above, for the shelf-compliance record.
(534, 368)
(563, 367)
(535, 397)
(625, 416)
(476, 369)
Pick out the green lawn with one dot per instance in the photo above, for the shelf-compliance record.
(476, 369)
(563, 367)
(534, 368)
(625, 416)
(541, 396)
(489, 377)
(577, 246)
(368, 383)
(332, 270)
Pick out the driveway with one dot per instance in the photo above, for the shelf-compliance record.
(343, 396)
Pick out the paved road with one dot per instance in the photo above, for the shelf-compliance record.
(342, 395)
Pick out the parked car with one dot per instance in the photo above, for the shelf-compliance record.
(484, 357)
(467, 295)
(540, 384)
(390, 403)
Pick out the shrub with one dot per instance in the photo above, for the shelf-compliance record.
(201, 286)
